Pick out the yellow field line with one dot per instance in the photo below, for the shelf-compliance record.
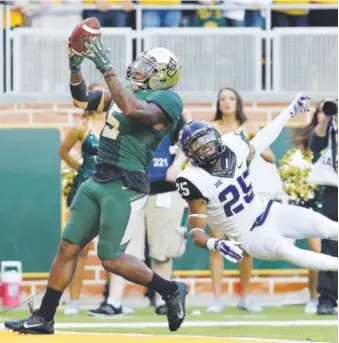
(257, 272)
(204, 273)
(10, 337)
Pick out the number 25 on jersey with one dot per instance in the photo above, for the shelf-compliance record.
(234, 202)
(233, 197)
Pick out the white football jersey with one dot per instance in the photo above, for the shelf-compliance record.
(232, 206)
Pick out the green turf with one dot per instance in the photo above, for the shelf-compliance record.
(288, 313)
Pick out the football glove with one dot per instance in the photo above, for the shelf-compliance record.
(74, 60)
(96, 53)
(229, 249)
(299, 104)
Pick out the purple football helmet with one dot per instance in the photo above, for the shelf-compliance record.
(201, 143)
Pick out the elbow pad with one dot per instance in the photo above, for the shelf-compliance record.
(92, 100)
(79, 94)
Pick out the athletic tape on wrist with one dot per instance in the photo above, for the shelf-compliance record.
(196, 229)
(211, 244)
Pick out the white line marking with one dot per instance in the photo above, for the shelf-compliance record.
(195, 324)
(250, 316)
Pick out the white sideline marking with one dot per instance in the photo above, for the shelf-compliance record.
(249, 316)
(195, 324)
(188, 336)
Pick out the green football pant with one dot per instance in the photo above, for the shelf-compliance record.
(109, 210)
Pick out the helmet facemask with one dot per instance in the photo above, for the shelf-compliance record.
(139, 73)
(156, 69)
(204, 148)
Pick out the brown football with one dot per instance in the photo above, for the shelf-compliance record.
(89, 27)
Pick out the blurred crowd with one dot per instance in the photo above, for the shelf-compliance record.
(45, 14)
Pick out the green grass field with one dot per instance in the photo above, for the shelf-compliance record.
(257, 325)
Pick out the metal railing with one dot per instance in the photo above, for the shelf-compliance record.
(216, 73)
(305, 58)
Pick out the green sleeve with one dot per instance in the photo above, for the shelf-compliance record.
(170, 102)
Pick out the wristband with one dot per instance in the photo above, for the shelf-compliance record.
(211, 243)
(75, 70)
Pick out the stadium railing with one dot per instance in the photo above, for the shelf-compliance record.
(303, 58)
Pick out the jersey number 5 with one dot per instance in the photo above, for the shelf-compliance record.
(111, 128)
(232, 196)
(183, 189)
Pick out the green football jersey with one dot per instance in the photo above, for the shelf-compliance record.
(128, 143)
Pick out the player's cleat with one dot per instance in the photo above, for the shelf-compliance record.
(248, 305)
(105, 310)
(176, 306)
(326, 310)
(34, 325)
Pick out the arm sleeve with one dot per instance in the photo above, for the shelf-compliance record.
(170, 103)
(267, 135)
(316, 143)
(90, 100)
(187, 190)
(180, 124)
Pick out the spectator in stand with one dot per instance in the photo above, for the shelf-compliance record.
(42, 18)
(235, 17)
(320, 18)
(188, 16)
(255, 16)
(290, 17)
(18, 11)
(207, 17)
(160, 18)
(107, 17)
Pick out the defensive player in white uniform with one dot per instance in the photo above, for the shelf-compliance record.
(218, 189)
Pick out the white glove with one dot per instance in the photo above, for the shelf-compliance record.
(229, 249)
(299, 104)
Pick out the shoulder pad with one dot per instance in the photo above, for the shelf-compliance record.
(188, 190)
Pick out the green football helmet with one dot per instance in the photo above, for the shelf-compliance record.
(156, 69)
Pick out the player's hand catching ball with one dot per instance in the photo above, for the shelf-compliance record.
(96, 53)
(230, 250)
(74, 60)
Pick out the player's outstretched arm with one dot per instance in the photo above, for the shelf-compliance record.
(96, 100)
(266, 136)
(141, 110)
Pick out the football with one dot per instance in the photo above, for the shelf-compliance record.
(89, 27)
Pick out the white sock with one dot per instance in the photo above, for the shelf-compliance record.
(74, 303)
(115, 303)
(116, 290)
(159, 300)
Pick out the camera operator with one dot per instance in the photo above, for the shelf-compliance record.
(324, 139)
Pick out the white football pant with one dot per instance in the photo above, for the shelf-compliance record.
(268, 240)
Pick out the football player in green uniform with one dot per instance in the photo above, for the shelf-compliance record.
(140, 113)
